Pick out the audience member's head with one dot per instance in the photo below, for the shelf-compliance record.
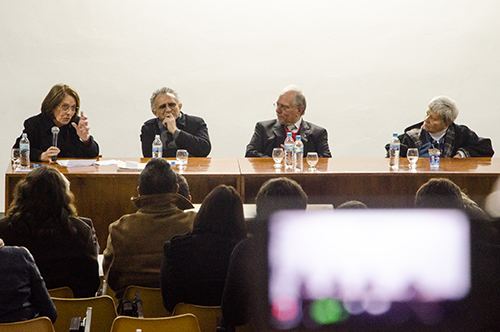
(352, 205)
(279, 194)
(221, 213)
(43, 202)
(157, 178)
(183, 186)
(439, 193)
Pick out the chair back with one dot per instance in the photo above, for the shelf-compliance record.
(206, 315)
(63, 292)
(103, 312)
(40, 324)
(184, 323)
(152, 301)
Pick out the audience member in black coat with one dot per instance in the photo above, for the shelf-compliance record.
(194, 265)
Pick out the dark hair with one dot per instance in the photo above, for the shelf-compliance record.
(56, 96)
(439, 193)
(42, 203)
(157, 178)
(352, 205)
(183, 185)
(221, 213)
(279, 194)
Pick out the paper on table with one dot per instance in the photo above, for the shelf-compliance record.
(130, 166)
(76, 162)
(107, 162)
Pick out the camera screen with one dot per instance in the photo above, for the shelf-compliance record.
(367, 268)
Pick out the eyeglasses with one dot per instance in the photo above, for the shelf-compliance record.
(66, 108)
(283, 107)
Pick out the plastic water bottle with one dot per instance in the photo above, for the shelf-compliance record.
(24, 148)
(157, 147)
(298, 155)
(289, 151)
(394, 151)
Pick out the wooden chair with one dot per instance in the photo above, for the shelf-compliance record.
(40, 324)
(184, 323)
(61, 292)
(103, 312)
(152, 301)
(206, 315)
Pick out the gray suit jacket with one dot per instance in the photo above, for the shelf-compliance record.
(271, 134)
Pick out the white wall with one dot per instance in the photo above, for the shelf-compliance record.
(367, 68)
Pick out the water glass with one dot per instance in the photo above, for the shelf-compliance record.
(434, 158)
(182, 158)
(15, 157)
(412, 155)
(278, 155)
(312, 160)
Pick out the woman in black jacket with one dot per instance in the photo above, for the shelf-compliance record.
(194, 265)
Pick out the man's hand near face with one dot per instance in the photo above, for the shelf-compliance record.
(169, 123)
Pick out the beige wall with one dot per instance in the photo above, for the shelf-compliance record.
(368, 68)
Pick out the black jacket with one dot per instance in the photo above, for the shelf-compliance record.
(193, 137)
(457, 138)
(38, 128)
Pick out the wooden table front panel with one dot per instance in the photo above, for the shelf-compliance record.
(371, 181)
(103, 194)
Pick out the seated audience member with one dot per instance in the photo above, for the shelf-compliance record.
(270, 134)
(352, 205)
(42, 218)
(245, 266)
(24, 295)
(439, 193)
(135, 243)
(194, 265)
(183, 186)
(177, 130)
(60, 109)
(482, 302)
(439, 131)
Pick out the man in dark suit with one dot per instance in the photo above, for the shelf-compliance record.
(177, 130)
(270, 134)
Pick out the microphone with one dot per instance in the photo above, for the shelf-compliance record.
(55, 132)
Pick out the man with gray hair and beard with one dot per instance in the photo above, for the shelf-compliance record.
(439, 131)
(290, 109)
(177, 130)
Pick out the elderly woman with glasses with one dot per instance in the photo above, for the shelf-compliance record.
(60, 114)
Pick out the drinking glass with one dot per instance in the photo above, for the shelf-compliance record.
(312, 160)
(278, 155)
(412, 155)
(15, 157)
(182, 158)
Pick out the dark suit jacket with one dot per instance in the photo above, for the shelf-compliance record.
(38, 128)
(193, 137)
(271, 134)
